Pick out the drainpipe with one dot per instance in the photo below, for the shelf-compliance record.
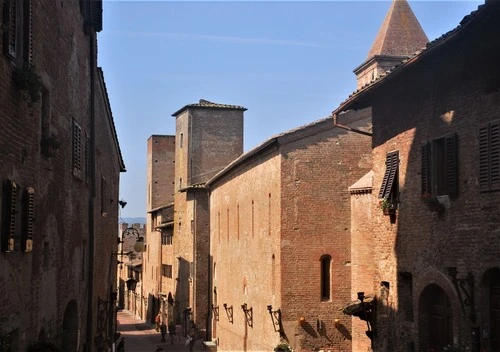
(92, 192)
(348, 128)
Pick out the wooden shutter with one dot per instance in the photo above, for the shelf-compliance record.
(494, 155)
(96, 14)
(10, 28)
(391, 168)
(28, 218)
(104, 197)
(9, 233)
(484, 160)
(425, 172)
(489, 156)
(77, 149)
(451, 167)
(28, 31)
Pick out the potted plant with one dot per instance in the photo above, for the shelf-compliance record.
(388, 208)
(282, 347)
(433, 203)
(26, 79)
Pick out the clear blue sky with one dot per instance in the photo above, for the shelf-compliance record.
(289, 63)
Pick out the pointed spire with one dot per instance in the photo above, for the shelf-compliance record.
(399, 37)
(400, 33)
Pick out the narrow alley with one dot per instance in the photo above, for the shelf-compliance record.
(142, 337)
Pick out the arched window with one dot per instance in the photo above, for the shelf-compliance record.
(325, 262)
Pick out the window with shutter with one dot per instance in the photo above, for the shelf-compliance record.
(426, 180)
(489, 156)
(10, 216)
(439, 166)
(28, 218)
(96, 14)
(77, 149)
(389, 188)
(10, 28)
(104, 197)
(18, 30)
(27, 31)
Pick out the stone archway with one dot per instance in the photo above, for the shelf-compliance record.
(70, 327)
(435, 323)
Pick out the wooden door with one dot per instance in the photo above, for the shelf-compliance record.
(495, 314)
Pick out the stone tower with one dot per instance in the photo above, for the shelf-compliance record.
(209, 136)
(399, 37)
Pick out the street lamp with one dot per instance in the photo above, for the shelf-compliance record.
(139, 245)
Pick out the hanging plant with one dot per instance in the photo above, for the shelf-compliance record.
(282, 347)
(27, 79)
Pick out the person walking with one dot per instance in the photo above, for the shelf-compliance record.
(163, 329)
(157, 321)
(171, 332)
(192, 336)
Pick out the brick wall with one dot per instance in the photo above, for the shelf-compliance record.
(273, 217)
(427, 100)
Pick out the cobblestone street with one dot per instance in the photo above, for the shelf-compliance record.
(142, 337)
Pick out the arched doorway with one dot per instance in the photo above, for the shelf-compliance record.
(70, 327)
(435, 319)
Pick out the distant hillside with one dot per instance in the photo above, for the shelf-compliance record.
(138, 220)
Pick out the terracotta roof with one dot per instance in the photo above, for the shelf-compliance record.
(428, 48)
(205, 104)
(400, 33)
(364, 184)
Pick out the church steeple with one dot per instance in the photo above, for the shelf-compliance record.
(399, 37)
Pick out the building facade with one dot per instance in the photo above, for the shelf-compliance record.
(435, 165)
(280, 246)
(60, 164)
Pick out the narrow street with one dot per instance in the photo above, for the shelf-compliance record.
(142, 337)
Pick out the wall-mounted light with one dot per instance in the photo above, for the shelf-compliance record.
(248, 314)
(276, 318)
(229, 312)
(215, 311)
(465, 290)
(139, 245)
(131, 284)
(302, 321)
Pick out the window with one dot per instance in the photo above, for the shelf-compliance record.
(28, 219)
(87, 159)
(439, 171)
(325, 277)
(19, 215)
(489, 157)
(11, 209)
(181, 140)
(77, 149)
(166, 270)
(166, 239)
(390, 188)
(18, 29)
(104, 197)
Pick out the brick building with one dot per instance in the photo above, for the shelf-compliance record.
(208, 137)
(130, 266)
(436, 274)
(159, 258)
(59, 168)
(279, 237)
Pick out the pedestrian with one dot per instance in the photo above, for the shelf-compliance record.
(171, 332)
(178, 331)
(157, 321)
(192, 336)
(163, 329)
(121, 345)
